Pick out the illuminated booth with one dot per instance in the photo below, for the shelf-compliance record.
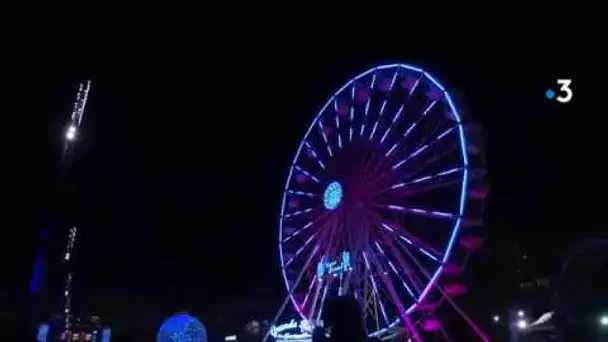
(82, 329)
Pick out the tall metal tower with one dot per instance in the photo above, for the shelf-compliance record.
(40, 275)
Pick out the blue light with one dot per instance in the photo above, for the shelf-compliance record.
(36, 276)
(321, 269)
(43, 332)
(182, 328)
(105, 335)
(332, 195)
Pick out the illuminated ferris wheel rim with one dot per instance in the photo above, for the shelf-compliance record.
(331, 204)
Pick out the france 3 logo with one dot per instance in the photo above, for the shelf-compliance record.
(564, 94)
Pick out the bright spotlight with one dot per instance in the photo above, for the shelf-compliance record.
(522, 324)
(496, 318)
(71, 133)
(521, 313)
(230, 338)
(604, 320)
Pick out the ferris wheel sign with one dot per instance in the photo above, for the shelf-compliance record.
(292, 330)
(334, 267)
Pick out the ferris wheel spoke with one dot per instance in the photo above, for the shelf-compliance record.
(302, 193)
(368, 102)
(415, 242)
(352, 112)
(299, 231)
(417, 168)
(424, 147)
(324, 135)
(383, 106)
(306, 173)
(314, 155)
(433, 282)
(322, 291)
(400, 111)
(394, 269)
(423, 270)
(326, 251)
(323, 297)
(426, 179)
(411, 128)
(306, 227)
(375, 288)
(395, 118)
(298, 213)
(397, 301)
(425, 188)
(422, 212)
(300, 250)
(403, 264)
(337, 120)
(310, 287)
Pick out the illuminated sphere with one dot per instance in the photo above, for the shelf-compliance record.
(332, 195)
(182, 328)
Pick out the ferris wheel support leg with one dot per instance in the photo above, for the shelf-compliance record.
(445, 335)
(315, 298)
(284, 305)
(402, 312)
(404, 265)
(461, 312)
(314, 304)
(466, 317)
(322, 301)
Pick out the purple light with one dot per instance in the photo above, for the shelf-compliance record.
(309, 189)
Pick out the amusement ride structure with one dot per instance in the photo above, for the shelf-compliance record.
(41, 276)
(382, 201)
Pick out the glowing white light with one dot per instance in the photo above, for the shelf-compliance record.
(66, 293)
(67, 256)
(230, 338)
(496, 318)
(604, 320)
(522, 324)
(521, 313)
(71, 133)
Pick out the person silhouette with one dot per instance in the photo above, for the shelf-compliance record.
(342, 315)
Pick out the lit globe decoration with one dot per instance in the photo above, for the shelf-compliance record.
(182, 328)
(332, 195)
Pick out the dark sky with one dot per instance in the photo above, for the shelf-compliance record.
(176, 182)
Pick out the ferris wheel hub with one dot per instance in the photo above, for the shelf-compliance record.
(332, 197)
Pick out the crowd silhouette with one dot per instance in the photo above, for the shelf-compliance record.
(343, 319)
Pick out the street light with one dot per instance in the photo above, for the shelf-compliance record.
(604, 320)
(71, 133)
(496, 318)
(522, 324)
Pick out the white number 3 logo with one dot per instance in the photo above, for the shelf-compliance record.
(566, 93)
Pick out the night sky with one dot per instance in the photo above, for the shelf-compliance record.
(176, 181)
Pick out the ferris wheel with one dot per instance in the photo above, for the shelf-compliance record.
(380, 201)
